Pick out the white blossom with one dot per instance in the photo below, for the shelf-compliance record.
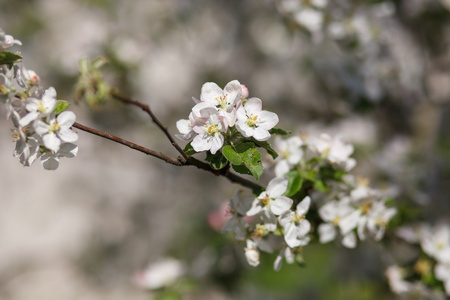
(209, 128)
(252, 121)
(295, 225)
(57, 130)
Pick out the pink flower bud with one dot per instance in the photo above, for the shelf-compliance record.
(33, 77)
(244, 92)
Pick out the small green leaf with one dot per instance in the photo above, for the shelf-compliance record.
(278, 131)
(189, 150)
(241, 169)
(232, 155)
(320, 185)
(294, 184)
(7, 58)
(267, 146)
(309, 174)
(300, 260)
(61, 105)
(218, 161)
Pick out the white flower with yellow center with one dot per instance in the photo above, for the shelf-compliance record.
(57, 130)
(40, 107)
(252, 121)
(271, 202)
(209, 128)
(222, 100)
(295, 225)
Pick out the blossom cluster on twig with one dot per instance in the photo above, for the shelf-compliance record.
(42, 127)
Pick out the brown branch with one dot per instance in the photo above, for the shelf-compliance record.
(155, 120)
(179, 161)
(162, 156)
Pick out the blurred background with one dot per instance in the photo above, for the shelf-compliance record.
(375, 72)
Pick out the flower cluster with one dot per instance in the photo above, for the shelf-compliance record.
(432, 266)
(42, 129)
(310, 172)
(225, 116)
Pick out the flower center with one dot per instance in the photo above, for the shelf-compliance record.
(40, 107)
(259, 231)
(211, 129)
(222, 102)
(365, 208)
(3, 89)
(297, 219)
(55, 127)
(252, 120)
(336, 221)
(265, 201)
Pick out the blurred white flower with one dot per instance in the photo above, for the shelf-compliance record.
(160, 274)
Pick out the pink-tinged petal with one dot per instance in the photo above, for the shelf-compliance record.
(41, 127)
(233, 90)
(210, 91)
(277, 186)
(253, 106)
(280, 205)
(216, 143)
(200, 144)
(268, 119)
(303, 206)
(208, 112)
(327, 233)
(241, 115)
(51, 142)
(67, 135)
(349, 240)
(261, 134)
(198, 107)
(230, 117)
(66, 119)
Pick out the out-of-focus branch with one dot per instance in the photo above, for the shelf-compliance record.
(179, 161)
(155, 120)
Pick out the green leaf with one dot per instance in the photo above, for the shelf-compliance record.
(218, 161)
(278, 131)
(295, 183)
(309, 174)
(320, 185)
(61, 105)
(232, 155)
(267, 146)
(7, 58)
(241, 169)
(189, 150)
(251, 157)
(246, 154)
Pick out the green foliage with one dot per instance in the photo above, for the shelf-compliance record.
(295, 183)
(189, 150)
(245, 158)
(61, 105)
(278, 131)
(90, 86)
(267, 146)
(217, 161)
(9, 58)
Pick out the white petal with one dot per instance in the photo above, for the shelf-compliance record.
(268, 119)
(66, 118)
(277, 186)
(216, 143)
(255, 209)
(51, 141)
(303, 228)
(349, 240)
(200, 144)
(253, 106)
(41, 127)
(67, 135)
(261, 134)
(290, 236)
(210, 91)
(303, 206)
(327, 233)
(280, 205)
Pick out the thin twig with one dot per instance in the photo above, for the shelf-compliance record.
(155, 120)
(162, 156)
(179, 161)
